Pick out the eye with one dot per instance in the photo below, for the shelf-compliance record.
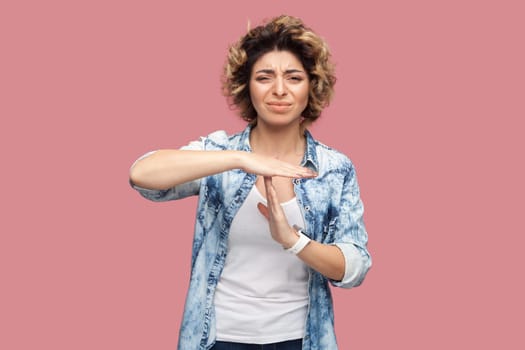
(295, 79)
(262, 78)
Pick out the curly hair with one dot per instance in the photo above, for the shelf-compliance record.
(283, 33)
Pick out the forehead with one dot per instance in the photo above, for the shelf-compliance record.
(279, 60)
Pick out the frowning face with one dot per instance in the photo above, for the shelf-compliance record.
(279, 88)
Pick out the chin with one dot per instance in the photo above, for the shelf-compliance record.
(279, 121)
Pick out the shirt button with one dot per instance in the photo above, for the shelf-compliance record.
(307, 207)
(297, 181)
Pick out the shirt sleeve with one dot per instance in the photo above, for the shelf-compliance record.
(350, 234)
(356, 266)
(187, 189)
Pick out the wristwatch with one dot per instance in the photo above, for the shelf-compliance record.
(300, 244)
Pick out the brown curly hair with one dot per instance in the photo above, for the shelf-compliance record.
(283, 33)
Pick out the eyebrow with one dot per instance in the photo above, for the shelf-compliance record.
(271, 71)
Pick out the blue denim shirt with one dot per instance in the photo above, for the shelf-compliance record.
(333, 214)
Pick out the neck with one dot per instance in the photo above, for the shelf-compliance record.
(278, 142)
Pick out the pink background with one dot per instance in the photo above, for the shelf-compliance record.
(429, 105)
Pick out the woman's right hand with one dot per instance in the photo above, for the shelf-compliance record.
(267, 166)
(168, 168)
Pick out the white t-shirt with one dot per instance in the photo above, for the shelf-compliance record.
(262, 295)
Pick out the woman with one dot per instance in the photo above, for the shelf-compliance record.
(279, 214)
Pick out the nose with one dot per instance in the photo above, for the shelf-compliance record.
(279, 88)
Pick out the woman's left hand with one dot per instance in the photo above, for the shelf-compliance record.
(280, 229)
(327, 259)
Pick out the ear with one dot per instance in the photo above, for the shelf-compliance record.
(263, 209)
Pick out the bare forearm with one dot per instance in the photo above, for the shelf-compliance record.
(324, 258)
(168, 168)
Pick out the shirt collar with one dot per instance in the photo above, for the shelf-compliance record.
(245, 139)
(310, 155)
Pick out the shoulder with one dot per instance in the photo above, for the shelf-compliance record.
(220, 140)
(331, 159)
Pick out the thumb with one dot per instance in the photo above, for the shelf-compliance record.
(263, 209)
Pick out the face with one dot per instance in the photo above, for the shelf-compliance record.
(279, 88)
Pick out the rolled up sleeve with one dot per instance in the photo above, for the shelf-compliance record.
(350, 235)
(356, 266)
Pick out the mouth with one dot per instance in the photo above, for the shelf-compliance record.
(279, 107)
(279, 104)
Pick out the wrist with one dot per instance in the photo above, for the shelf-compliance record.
(239, 159)
(236, 159)
(300, 244)
(292, 239)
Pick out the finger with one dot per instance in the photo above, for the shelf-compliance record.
(308, 173)
(275, 210)
(268, 185)
(263, 209)
(271, 194)
(304, 171)
(297, 172)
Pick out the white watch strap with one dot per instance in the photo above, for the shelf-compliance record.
(300, 244)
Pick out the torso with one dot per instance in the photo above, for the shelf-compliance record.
(283, 187)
